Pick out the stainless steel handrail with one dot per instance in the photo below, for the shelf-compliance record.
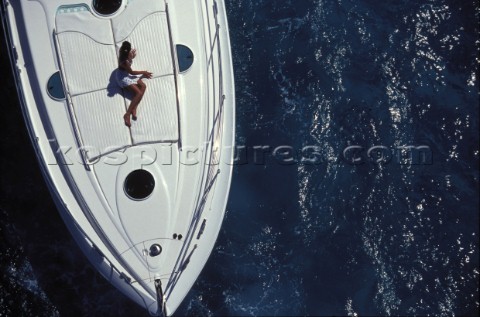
(213, 154)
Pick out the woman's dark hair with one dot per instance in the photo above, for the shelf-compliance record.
(124, 51)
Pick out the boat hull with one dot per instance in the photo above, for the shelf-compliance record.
(189, 155)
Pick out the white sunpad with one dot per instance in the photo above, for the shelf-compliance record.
(87, 65)
(123, 24)
(100, 121)
(89, 59)
(87, 50)
(148, 32)
(151, 39)
(157, 113)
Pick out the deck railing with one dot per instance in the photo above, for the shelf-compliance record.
(213, 150)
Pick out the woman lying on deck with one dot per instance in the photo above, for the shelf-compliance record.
(128, 78)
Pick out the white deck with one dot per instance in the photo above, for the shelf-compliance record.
(178, 109)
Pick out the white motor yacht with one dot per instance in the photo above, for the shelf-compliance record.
(145, 203)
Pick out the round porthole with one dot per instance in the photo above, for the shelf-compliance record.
(55, 87)
(107, 7)
(139, 184)
(185, 58)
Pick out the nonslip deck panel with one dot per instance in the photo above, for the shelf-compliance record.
(100, 121)
(100, 118)
(86, 48)
(151, 39)
(87, 65)
(137, 10)
(157, 113)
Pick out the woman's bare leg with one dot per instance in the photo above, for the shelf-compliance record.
(134, 103)
(141, 85)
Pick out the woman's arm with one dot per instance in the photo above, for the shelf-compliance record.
(129, 69)
(140, 72)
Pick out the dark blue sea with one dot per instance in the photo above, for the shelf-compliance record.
(356, 188)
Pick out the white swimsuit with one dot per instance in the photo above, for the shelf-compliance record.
(124, 78)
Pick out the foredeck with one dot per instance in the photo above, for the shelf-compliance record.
(96, 103)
